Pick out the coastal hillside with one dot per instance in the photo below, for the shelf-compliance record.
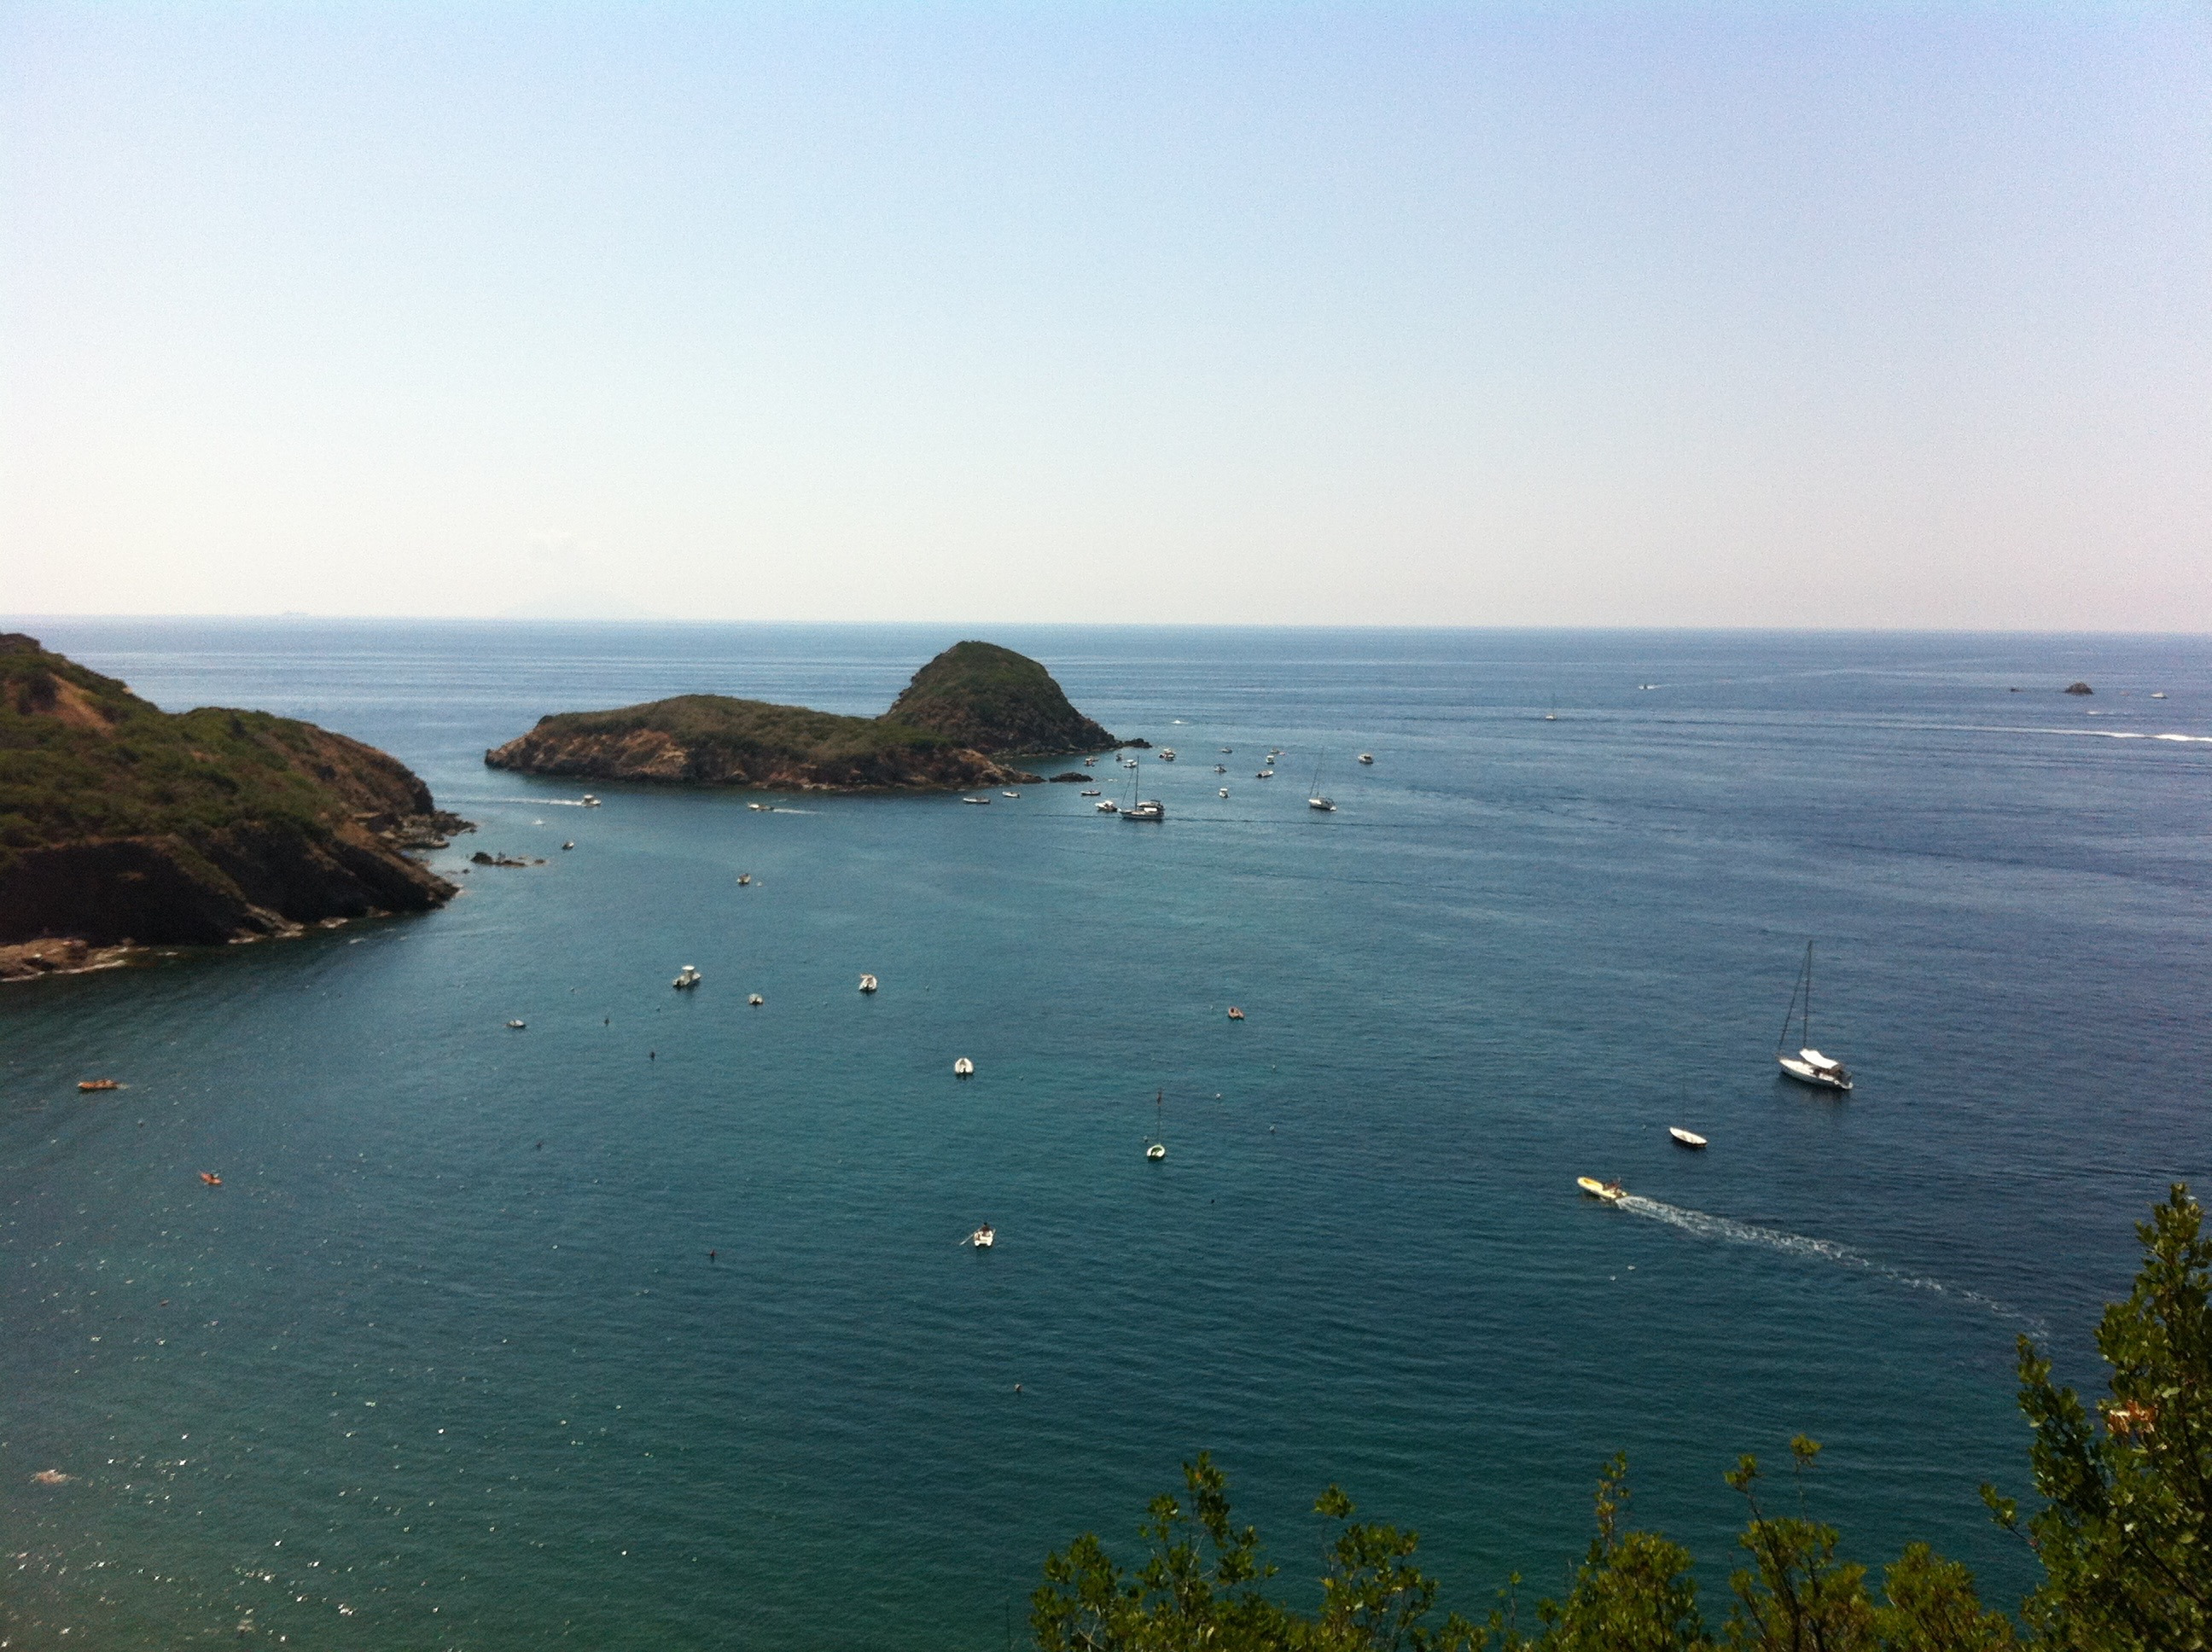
(122, 822)
(972, 705)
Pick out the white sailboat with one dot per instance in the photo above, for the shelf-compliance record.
(1809, 1065)
(1319, 800)
(1156, 1149)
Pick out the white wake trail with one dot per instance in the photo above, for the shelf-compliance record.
(1727, 1229)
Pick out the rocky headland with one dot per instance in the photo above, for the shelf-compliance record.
(124, 824)
(958, 723)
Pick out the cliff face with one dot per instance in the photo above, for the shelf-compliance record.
(969, 704)
(995, 700)
(120, 821)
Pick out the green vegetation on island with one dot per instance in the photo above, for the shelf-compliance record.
(120, 821)
(2123, 1538)
(967, 709)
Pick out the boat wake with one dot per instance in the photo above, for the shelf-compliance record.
(2103, 734)
(1731, 1231)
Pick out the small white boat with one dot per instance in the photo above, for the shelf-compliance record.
(1612, 1191)
(1157, 1152)
(686, 978)
(744, 878)
(1221, 768)
(755, 1000)
(517, 1025)
(1107, 807)
(2159, 694)
(1091, 762)
(984, 1237)
(1167, 754)
(756, 806)
(1088, 792)
(1009, 794)
(867, 984)
(570, 844)
(1225, 791)
(1229, 751)
(1321, 803)
(1367, 756)
(981, 800)
(1265, 774)
(1235, 1014)
(963, 1068)
(589, 801)
(1685, 1138)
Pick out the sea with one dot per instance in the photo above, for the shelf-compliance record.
(651, 1323)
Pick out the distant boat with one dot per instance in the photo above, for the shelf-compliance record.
(1265, 774)
(1156, 1149)
(867, 984)
(1685, 1138)
(755, 1000)
(517, 1025)
(1009, 794)
(1151, 809)
(1612, 1191)
(1221, 768)
(211, 1178)
(1088, 792)
(687, 978)
(1809, 1065)
(2159, 694)
(1553, 716)
(570, 844)
(982, 801)
(984, 1237)
(1318, 800)
(1229, 751)
(744, 878)
(1235, 1014)
(1107, 807)
(1167, 754)
(1091, 762)
(1225, 791)
(1367, 756)
(98, 1083)
(589, 801)
(963, 1068)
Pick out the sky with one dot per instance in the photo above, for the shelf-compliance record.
(1761, 314)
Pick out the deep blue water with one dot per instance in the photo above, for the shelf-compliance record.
(445, 1362)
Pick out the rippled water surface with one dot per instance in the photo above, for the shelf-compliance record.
(648, 1326)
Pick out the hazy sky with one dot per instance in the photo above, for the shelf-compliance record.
(1866, 315)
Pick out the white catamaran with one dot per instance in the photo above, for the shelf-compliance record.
(1809, 1065)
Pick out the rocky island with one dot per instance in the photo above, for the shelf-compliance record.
(958, 723)
(124, 823)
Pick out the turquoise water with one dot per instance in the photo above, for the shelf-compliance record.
(446, 1361)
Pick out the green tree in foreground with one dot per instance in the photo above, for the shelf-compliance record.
(2122, 1537)
(2127, 1520)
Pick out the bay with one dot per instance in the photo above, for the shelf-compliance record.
(446, 1360)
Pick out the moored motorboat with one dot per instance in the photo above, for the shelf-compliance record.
(1685, 1138)
(1235, 1014)
(984, 1237)
(1367, 756)
(963, 1068)
(1088, 792)
(1009, 794)
(744, 878)
(983, 801)
(1107, 807)
(867, 984)
(1612, 1191)
(517, 1025)
(570, 844)
(687, 978)
(755, 1000)
(1225, 791)
(1167, 754)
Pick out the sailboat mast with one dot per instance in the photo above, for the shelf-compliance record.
(1808, 996)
